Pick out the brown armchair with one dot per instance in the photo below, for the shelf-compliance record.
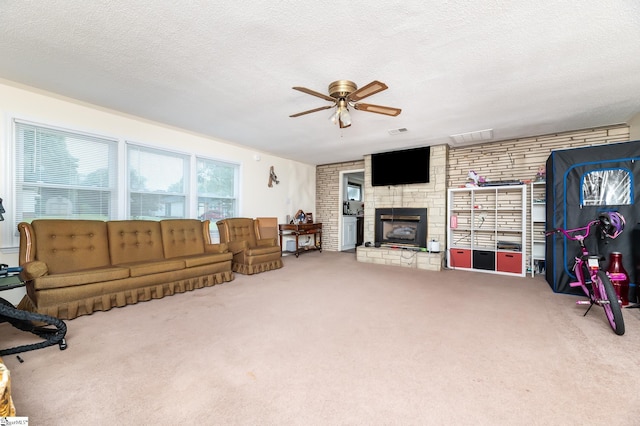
(251, 253)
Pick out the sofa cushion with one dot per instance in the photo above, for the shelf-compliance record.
(237, 229)
(181, 237)
(206, 259)
(157, 267)
(81, 277)
(132, 241)
(71, 245)
(257, 251)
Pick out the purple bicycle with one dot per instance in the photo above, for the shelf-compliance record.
(595, 282)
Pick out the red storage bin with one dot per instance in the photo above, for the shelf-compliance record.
(459, 258)
(510, 262)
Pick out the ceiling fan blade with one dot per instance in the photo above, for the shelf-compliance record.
(312, 110)
(379, 109)
(314, 93)
(368, 90)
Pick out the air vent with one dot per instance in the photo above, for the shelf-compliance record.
(398, 131)
(472, 137)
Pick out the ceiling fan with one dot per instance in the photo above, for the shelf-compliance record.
(344, 94)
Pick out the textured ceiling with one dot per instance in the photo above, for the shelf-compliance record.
(226, 68)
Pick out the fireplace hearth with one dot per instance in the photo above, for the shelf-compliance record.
(401, 226)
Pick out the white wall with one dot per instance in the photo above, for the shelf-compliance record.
(297, 180)
(634, 126)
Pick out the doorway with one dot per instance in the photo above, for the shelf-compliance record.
(351, 224)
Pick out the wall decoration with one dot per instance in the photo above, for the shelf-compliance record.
(273, 178)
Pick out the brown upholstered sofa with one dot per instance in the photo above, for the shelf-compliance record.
(77, 267)
(252, 253)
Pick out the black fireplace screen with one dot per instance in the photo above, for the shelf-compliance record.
(402, 226)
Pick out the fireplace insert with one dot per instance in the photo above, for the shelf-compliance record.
(401, 226)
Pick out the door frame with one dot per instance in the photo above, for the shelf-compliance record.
(341, 197)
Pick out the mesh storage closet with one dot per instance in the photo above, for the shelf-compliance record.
(581, 183)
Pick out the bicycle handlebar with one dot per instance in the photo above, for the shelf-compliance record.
(569, 232)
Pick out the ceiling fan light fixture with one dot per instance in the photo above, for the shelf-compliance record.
(341, 116)
(344, 125)
(345, 117)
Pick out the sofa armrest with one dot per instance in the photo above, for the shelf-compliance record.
(216, 248)
(34, 269)
(238, 246)
(267, 242)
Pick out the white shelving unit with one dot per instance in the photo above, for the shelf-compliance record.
(538, 227)
(487, 229)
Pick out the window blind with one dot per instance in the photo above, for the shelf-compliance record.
(63, 174)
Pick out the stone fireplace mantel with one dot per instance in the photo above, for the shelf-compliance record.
(400, 257)
(431, 196)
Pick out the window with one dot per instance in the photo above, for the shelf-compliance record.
(217, 190)
(607, 187)
(158, 182)
(63, 174)
(66, 174)
(354, 191)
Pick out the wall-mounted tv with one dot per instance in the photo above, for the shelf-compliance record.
(400, 167)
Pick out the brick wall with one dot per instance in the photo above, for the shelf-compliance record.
(328, 203)
(431, 195)
(520, 158)
(503, 160)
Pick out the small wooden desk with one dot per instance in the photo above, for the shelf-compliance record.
(9, 281)
(314, 229)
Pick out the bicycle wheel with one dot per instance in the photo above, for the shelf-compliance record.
(611, 305)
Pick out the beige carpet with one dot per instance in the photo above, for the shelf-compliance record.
(330, 341)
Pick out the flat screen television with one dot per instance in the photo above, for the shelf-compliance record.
(400, 167)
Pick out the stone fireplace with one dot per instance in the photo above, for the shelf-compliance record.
(429, 197)
(401, 226)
